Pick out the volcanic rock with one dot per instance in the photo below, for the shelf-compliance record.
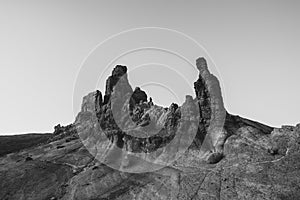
(226, 156)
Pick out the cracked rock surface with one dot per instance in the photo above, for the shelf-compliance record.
(237, 159)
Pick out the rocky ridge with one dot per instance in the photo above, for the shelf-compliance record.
(229, 157)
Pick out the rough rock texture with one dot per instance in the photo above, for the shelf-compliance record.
(230, 157)
(9, 144)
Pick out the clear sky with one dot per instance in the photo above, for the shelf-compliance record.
(254, 44)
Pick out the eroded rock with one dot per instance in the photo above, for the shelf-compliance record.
(245, 159)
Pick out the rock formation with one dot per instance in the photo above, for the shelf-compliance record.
(196, 150)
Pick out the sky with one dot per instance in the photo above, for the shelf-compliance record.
(45, 46)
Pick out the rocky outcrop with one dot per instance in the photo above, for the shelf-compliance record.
(227, 156)
(61, 132)
(126, 119)
(131, 122)
(211, 109)
(125, 111)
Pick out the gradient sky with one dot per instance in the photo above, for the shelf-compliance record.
(254, 44)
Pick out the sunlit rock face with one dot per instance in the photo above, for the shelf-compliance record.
(126, 120)
(132, 122)
(211, 109)
(123, 146)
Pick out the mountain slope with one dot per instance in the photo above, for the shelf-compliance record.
(236, 158)
(13, 143)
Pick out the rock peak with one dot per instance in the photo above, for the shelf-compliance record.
(119, 70)
(201, 64)
(118, 75)
(188, 98)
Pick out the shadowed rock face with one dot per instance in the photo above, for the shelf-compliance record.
(125, 109)
(230, 157)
